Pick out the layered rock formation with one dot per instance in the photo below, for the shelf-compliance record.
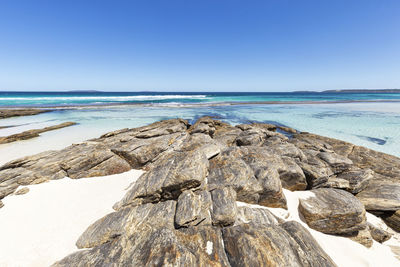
(33, 133)
(7, 113)
(183, 210)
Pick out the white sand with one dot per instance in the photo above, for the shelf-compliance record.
(343, 251)
(42, 226)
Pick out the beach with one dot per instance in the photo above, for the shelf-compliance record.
(70, 206)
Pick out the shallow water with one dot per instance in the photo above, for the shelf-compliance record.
(374, 125)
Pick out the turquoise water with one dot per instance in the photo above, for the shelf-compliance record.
(40, 99)
(374, 125)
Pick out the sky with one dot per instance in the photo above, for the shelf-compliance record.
(190, 45)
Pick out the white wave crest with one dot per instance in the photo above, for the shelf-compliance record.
(104, 98)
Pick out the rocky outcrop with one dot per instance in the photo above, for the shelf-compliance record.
(7, 113)
(33, 133)
(334, 211)
(288, 244)
(381, 196)
(184, 209)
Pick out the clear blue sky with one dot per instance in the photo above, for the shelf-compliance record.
(217, 45)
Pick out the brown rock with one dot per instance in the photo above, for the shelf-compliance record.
(383, 196)
(22, 191)
(224, 209)
(392, 219)
(7, 113)
(378, 234)
(33, 133)
(333, 211)
(254, 245)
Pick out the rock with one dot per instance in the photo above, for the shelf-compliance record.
(107, 228)
(381, 163)
(177, 172)
(250, 138)
(291, 175)
(337, 162)
(150, 239)
(266, 169)
(362, 236)
(256, 216)
(353, 181)
(32, 133)
(139, 152)
(22, 191)
(193, 209)
(333, 211)
(392, 219)
(229, 170)
(378, 234)
(335, 182)
(358, 179)
(162, 128)
(224, 209)
(1, 204)
(204, 143)
(7, 113)
(381, 196)
(316, 170)
(254, 245)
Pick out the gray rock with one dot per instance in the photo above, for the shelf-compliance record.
(228, 170)
(333, 211)
(337, 162)
(256, 216)
(22, 191)
(224, 209)
(193, 209)
(379, 234)
(251, 138)
(150, 239)
(171, 176)
(362, 236)
(254, 245)
(291, 175)
(358, 179)
(381, 196)
(392, 219)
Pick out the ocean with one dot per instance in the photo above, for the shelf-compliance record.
(366, 119)
(45, 99)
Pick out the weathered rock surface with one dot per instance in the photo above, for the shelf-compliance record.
(381, 196)
(392, 219)
(22, 191)
(288, 244)
(33, 133)
(378, 234)
(224, 210)
(7, 113)
(333, 211)
(183, 210)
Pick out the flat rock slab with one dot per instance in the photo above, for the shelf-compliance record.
(7, 113)
(33, 133)
(288, 244)
(333, 211)
(381, 196)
